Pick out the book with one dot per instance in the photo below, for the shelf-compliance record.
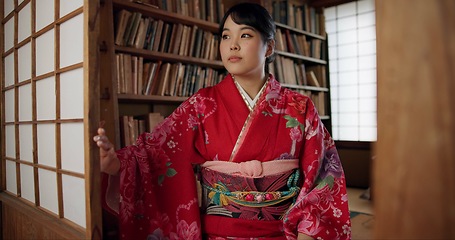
(163, 78)
(128, 71)
(151, 76)
(159, 31)
(183, 48)
(178, 39)
(312, 79)
(141, 33)
(122, 19)
(179, 80)
(192, 40)
(140, 74)
(165, 35)
(134, 74)
(151, 36)
(172, 38)
(132, 29)
(120, 72)
(153, 119)
(170, 87)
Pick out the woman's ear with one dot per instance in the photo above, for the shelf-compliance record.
(270, 48)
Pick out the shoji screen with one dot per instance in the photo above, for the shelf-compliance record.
(43, 106)
(351, 30)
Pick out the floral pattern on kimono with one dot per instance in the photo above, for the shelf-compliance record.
(158, 194)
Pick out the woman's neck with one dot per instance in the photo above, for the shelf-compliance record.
(251, 85)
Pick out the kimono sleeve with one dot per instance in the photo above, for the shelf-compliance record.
(158, 195)
(321, 208)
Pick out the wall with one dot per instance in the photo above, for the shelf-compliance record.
(356, 158)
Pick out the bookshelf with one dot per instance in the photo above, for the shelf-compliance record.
(171, 54)
(301, 62)
(126, 58)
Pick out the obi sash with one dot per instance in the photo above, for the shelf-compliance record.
(240, 197)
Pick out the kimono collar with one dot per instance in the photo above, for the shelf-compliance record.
(248, 100)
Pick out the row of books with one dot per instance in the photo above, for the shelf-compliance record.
(136, 76)
(288, 71)
(288, 41)
(132, 126)
(300, 15)
(208, 10)
(134, 30)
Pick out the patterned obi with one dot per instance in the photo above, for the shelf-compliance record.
(256, 194)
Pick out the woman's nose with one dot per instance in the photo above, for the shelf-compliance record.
(235, 46)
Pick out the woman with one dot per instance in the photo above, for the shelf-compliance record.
(266, 165)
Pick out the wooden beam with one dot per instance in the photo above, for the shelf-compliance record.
(328, 3)
(414, 183)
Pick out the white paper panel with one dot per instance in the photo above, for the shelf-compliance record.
(25, 103)
(11, 183)
(48, 190)
(368, 133)
(46, 144)
(366, 19)
(347, 23)
(74, 199)
(10, 141)
(44, 13)
(25, 23)
(25, 62)
(9, 34)
(347, 9)
(72, 41)
(72, 140)
(26, 142)
(72, 94)
(9, 106)
(368, 105)
(45, 99)
(9, 70)
(69, 6)
(27, 183)
(329, 13)
(349, 133)
(352, 70)
(45, 50)
(9, 6)
(365, 6)
(368, 90)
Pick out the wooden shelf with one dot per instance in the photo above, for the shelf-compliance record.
(304, 58)
(165, 15)
(309, 34)
(130, 98)
(310, 88)
(168, 57)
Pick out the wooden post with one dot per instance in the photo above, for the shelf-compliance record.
(94, 225)
(414, 172)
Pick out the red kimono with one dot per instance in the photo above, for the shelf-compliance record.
(158, 187)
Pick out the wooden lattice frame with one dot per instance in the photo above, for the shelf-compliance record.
(91, 174)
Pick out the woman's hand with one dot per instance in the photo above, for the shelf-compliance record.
(109, 162)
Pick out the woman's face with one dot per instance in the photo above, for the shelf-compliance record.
(242, 50)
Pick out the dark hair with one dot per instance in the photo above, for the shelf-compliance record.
(256, 16)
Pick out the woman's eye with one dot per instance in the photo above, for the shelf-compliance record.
(246, 35)
(224, 36)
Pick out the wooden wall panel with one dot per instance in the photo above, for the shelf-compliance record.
(414, 180)
(20, 221)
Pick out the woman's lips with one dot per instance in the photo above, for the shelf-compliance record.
(234, 59)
